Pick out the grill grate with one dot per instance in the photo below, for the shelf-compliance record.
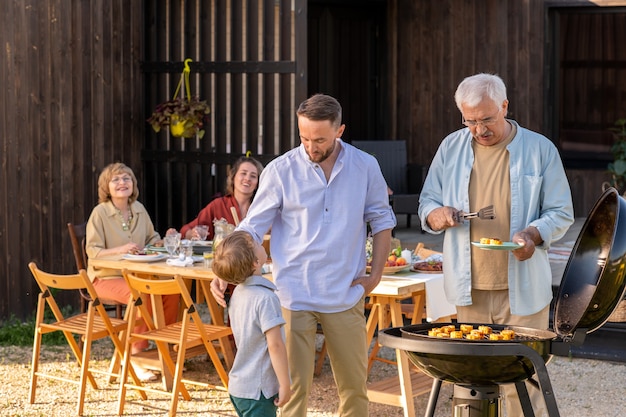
(485, 338)
(519, 336)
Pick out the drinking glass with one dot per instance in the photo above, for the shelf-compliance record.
(171, 244)
(186, 248)
(202, 230)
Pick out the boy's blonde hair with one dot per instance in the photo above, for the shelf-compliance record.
(234, 257)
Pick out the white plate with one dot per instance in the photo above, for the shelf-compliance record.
(503, 246)
(145, 258)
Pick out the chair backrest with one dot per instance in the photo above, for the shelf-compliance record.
(78, 236)
(78, 233)
(392, 158)
(48, 281)
(423, 252)
(142, 287)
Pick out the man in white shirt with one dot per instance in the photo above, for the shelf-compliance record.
(318, 200)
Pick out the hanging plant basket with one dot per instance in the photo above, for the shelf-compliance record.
(185, 116)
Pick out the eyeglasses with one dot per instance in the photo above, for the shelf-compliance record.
(117, 180)
(485, 122)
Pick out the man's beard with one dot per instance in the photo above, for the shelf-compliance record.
(325, 155)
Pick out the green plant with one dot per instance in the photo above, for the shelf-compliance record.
(14, 332)
(617, 168)
(184, 116)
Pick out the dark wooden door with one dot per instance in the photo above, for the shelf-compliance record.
(346, 57)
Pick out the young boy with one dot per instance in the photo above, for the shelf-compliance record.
(259, 379)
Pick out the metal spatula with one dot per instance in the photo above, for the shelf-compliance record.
(485, 213)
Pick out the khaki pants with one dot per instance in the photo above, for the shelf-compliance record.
(345, 335)
(493, 307)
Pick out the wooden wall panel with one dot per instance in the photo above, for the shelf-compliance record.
(437, 43)
(68, 107)
(440, 42)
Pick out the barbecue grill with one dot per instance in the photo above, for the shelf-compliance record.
(591, 288)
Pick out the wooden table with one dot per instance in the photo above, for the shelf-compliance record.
(386, 300)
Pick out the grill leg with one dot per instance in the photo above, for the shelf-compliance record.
(524, 399)
(546, 388)
(432, 399)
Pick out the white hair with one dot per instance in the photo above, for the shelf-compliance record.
(474, 89)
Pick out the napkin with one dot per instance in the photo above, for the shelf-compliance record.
(436, 257)
(437, 305)
(180, 262)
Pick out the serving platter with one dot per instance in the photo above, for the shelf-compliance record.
(424, 271)
(145, 258)
(427, 267)
(390, 269)
(503, 246)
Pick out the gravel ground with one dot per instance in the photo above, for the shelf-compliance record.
(583, 388)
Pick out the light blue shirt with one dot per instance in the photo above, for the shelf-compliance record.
(319, 227)
(253, 310)
(540, 197)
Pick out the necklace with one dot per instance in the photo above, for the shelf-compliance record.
(125, 223)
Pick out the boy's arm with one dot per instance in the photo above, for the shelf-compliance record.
(278, 356)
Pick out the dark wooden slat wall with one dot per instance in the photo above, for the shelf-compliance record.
(436, 43)
(243, 64)
(598, 37)
(455, 39)
(68, 106)
(78, 86)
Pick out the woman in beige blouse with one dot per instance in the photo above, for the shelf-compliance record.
(120, 224)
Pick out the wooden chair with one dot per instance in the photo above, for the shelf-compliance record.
(77, 234)
(423, 252)
(189, 332)
(93, 324)
(392, 158)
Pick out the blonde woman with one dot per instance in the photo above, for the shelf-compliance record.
(120, 224)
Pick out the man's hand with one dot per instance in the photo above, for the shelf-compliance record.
(218, 287)
(442, 218)
(380, 250)
(528, 238)
(369, 282)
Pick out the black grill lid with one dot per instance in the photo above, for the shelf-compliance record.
(593, 281)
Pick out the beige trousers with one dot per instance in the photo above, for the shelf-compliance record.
(345, 335)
